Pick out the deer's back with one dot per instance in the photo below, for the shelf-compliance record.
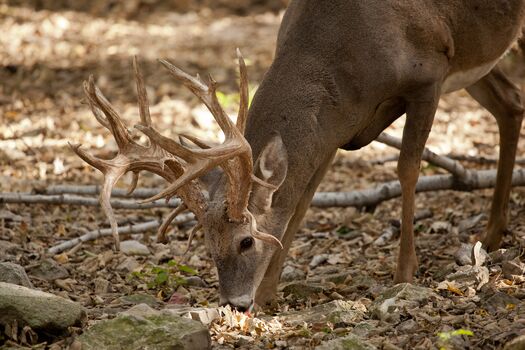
(469, 32)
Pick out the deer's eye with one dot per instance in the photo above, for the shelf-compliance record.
(246, 243)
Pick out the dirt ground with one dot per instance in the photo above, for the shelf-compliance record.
(45, 56)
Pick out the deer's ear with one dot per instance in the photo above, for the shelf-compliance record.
(271, 167)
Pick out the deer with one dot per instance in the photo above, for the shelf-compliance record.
(343, 71)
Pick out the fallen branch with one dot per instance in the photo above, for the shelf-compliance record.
(359, 198)
(480, 159)
(27, 198)
(138, 228)
(369, 197)
(450, 165)
(93, 190)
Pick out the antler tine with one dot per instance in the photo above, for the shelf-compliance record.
(227, 150)
(142, 95)
(243, 93)
(191, 173)
(116, 126)
(161, 233)
(94, 109)
(191, 236)
(265, 237)
(237, 162)
(134, 182)
(198, 142)
(110, 179)
(168, 144)
(206, 93)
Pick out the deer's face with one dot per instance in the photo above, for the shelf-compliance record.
(241, 259)
(240, 250)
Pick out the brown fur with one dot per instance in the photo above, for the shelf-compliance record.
(343, 71)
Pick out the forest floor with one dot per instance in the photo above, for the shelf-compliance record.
(44, 58)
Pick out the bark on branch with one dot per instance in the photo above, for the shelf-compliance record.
(138, 228)
(27, 198)
(369, 197)
(450, 165)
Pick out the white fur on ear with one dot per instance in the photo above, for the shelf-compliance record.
(273, 160)
(271, 167)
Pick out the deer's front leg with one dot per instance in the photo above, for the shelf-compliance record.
(268, 286)
(420, 115)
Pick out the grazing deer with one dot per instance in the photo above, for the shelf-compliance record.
(343, 72)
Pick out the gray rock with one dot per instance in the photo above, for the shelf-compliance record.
(469, 254)
(135, 299)
(201, 314)
(38, 310)
(513, 268)
(337, 278)
(318, 260)
(15, 274)
(517, 343)
(407, 327)
(141, 310)
(335, 312)
(48, 270)
(134, 248)
(7, 248)
(404, 296)
(462, 255)
(195, 281)
(302, 290)
(363, 329)
(154, 332)
(501, 255)
(479, 255)
(129, 264)
(470, 276)
(469, 223)
(102, 286)
(498, 302)
(291, 273)
(350, 342)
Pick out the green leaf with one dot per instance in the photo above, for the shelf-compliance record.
(162, 277)
(187, 269)
(172, 263)
(446, 336)
(343, 230)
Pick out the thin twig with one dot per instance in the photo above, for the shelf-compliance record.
(138, 228)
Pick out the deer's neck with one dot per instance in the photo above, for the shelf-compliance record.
(300, 102)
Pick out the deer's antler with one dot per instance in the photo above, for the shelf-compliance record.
(234, 155)
(132, 156)
(179, 165)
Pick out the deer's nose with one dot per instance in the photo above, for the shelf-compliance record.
(242, 304)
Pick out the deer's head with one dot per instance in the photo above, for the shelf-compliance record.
(233, 206)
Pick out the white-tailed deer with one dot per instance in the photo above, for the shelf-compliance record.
(343, 72)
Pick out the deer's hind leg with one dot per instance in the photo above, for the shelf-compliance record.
(420, 113)
(503, 100)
